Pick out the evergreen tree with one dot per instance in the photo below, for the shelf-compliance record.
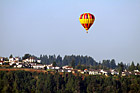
(112, 64)
(132, 66)
(73, 63)
(120, 67)
(11, 56)
(26, 56)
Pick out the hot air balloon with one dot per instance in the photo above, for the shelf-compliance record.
(87, 19)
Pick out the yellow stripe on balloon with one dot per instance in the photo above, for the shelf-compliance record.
(84, 21)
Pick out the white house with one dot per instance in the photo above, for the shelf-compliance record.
(85, 70)
(82, 72)
(11, 63)
(1, 62)
(17, 59)
(1, 59)
(126, 73)
(32, 64)
(38, 66)
(94, 72)
(56, 67)
(136, 70)
(38, 61)
(11, 59)
(32, 59)
(67, 67)
(104, 72)
(61, 70)
(137, 73)
(113, 72)
(68, 70)
(64, 70)
(20, 65)
(50, 67)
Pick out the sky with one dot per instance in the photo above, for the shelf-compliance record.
(52, 27)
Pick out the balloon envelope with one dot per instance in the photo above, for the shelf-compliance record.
(86, 20)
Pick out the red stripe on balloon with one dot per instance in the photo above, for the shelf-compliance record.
(81, 16)
(83, 25)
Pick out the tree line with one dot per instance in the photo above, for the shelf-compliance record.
(33, 82)
(82, 62)
(86, 60)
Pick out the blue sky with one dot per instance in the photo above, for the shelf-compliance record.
(53, 27)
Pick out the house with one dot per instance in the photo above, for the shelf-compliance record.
(25, 60)
(17, 63)
(82, 72)
(32, 59)
(104, 72)
(12, 63)
(91, 72)
(136, 70)
(123, 74)
(85, 70)
(114, 72)
(2, 59)
(137, 73)
(57, 67)
(20, 65)
(11, 59)
(38, 66)
(61, 70)
(94, 72)
(38, 61)
(68, 70)
(50, 67)
(74, 70)
(126, 73)
(67, 67)
(17, 59)
(64, 70)
(1, 62)
(32, 64)
(79, 70)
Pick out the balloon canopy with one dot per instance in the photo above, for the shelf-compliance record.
(86, 20)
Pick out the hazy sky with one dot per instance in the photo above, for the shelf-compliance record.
(53, 27)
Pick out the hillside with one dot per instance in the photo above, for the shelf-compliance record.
(33, 82)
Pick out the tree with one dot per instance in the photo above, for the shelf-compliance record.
(113, 64)
(78, 66)
(106, 63)
(26, 56)
(73, 63)
(11, 56)
(54, 64)
(132, 67)
(6, 59)
(59, 60)
(120, 67)
(138, 66)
